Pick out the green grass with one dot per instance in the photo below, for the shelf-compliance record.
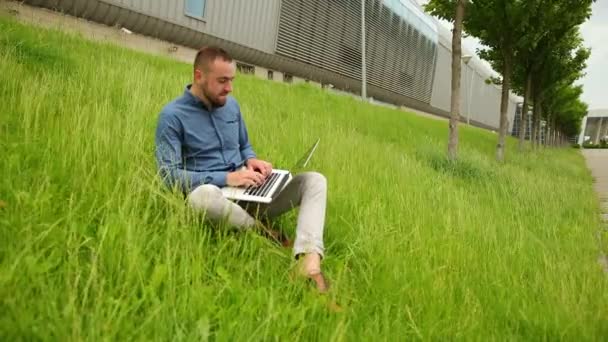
(92, 246)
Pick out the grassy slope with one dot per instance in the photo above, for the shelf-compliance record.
(91, 246)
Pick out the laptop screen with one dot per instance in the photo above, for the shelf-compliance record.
(300, 164)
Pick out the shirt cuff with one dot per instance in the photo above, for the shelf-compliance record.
(217, 178)
(247, 154)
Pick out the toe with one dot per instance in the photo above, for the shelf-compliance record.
(320, 282)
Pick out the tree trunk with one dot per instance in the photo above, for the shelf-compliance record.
(455, 98)
(555, 131)
(539, 136)
(504, 103)
(524, 112)
(549, 132)
(535, 138)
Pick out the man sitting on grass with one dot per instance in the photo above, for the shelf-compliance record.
(202, 145)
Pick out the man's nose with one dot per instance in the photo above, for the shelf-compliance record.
(228, 87)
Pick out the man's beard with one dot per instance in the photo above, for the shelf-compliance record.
(215, 101)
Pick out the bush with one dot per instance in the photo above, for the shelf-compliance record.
(602, 144)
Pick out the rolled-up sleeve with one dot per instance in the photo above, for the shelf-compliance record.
(168, 140)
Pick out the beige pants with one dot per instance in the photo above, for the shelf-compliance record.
(307, 190)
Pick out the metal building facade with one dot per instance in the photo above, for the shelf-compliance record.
(408, 54)
(327, 33)
(249, 23)
(594, 127)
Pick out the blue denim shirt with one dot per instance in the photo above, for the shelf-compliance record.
(197, 146)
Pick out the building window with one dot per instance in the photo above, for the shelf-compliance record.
(287, 78)
(270, 75)
(195, 8)
(245, 68)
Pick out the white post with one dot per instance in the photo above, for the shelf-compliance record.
(363, 67)
(581, 137)
(599, 130)
(466, 59)
(470, 95)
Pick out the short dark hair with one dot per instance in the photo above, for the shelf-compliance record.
(207, 55)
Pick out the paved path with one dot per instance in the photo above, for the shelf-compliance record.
(597, 162)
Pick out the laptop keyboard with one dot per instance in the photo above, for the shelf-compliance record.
(263, 189)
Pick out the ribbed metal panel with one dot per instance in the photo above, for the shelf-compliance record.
(327, 34)
(245, 22)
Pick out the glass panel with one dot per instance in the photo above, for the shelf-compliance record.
(415, 16)
(195, 8)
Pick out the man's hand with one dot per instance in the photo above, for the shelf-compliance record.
(263, 167)
(244, 178)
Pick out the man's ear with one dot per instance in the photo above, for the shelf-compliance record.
(198, 74)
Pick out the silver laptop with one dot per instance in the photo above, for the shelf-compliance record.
(272, 186)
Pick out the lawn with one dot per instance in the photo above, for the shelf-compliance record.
(93, 247)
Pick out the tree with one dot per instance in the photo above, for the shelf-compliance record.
(525, 58)
(550, 20)
(499, 25)
(566, 110)
(517, 34)
(458, 9)
(562, 63)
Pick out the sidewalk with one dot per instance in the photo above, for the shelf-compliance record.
(597, 162)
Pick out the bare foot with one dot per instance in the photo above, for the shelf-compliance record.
(320, 282)
(310, 267)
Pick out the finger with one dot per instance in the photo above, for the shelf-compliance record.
(263, 172)
(247, 184)
(247, 180)
(259, 178)
(254, 177)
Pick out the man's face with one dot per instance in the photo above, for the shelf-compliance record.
(216, 82)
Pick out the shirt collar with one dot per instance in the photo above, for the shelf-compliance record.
(193, 99)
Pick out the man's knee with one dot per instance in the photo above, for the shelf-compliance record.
(204, 196)
(315, 180)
